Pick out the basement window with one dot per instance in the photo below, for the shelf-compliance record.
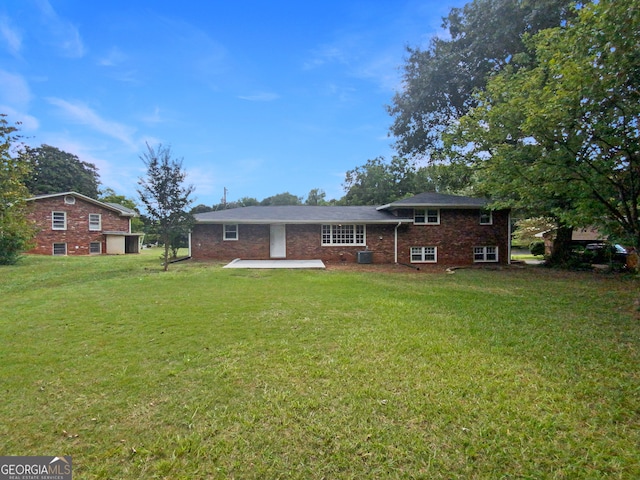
(485, 254)
(424, 254)
(59, 248)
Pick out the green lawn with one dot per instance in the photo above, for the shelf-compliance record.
(204, 372)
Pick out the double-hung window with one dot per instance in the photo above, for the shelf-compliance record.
(95, 222)
(59, 220)
(424, 254)
(230, 231)
(485, 254)
(428, 216)
(486, 218)
(343, 235)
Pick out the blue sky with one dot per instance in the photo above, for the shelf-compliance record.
(258, 97)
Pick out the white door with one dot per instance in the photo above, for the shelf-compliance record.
(278, 244)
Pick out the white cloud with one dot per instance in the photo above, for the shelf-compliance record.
(153, 118)
(113, 58)
(27, 122)
(326, 54)
(12, 37)
(86, 116)
(15, 90)
(64, 35)
(260, 97)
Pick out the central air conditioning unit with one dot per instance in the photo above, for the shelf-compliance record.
(365, 256)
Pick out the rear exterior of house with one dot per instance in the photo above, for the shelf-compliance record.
(70, 223)
(428, 229)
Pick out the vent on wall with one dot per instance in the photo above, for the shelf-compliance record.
(69, 200)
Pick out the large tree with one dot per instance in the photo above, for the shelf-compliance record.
(563, 135)
(15, 230)
(165, 196)
(439, 81)
(285, 198)
(378, 182)
(56, 171)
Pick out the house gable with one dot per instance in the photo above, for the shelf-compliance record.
(70, 223)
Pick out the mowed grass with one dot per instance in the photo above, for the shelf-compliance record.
(204, 372)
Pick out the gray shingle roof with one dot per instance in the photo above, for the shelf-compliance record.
(299, 214)
(432, 199)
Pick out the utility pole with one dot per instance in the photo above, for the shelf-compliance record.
(224, 198)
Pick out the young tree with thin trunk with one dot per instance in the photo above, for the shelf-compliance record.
(165, 196)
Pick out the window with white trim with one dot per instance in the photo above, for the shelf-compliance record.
(486, 217)
(230, 231)
(95, 248)
(485, 254)
(59, 220)
(428, 216)
(424, 254)
(95, 222)
(59, 248)
(343, 235)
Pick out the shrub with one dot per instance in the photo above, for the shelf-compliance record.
(536, 248)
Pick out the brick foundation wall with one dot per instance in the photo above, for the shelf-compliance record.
(77, 235)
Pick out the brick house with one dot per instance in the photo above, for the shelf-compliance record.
(429, 228)
(70, 223)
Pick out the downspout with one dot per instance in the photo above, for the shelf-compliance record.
(395, 243)
(189, 242)
(509, 239)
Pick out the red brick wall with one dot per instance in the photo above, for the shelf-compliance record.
(77, 235)
(252, 243)
(456, 235)
(459, 231)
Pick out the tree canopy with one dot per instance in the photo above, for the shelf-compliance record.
(165, 196)
(439, 81)
(378, 181)
(15, 230)
(563, 134)
(56, 171)
(285, 198)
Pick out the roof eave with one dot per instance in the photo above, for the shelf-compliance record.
(303, 222)
(86, 199)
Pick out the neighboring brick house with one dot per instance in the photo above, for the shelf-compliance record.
(429, 228)
(70, 223)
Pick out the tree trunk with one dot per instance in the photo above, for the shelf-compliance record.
(165, 259)
(561, 249)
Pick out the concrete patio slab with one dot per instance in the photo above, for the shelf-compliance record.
(239, 263)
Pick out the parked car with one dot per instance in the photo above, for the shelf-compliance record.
(605, 253)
